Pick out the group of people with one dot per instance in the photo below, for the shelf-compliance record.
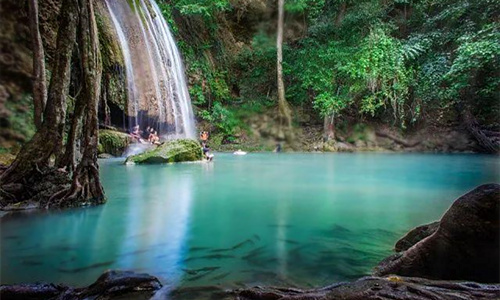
(150, 135)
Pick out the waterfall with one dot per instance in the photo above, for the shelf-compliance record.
(156, 82)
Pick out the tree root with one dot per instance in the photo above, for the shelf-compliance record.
(397, 139)
(85, 188)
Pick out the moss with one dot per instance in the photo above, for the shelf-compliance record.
(359, 133)
(19, 120)
(6, 158)
(169, 152)
(113, 142)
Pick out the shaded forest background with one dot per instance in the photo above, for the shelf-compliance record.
(400, 68)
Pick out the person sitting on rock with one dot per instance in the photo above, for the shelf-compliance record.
(151, 136)
(136, 132)
(156, 138)
(147, 132)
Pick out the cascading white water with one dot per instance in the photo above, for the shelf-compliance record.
(156, 82)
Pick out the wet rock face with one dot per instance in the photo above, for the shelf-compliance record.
(169, 152)
(465, 246)
(110, 285)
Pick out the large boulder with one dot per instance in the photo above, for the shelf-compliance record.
(465, 246)
(113, 142)
(169, 152)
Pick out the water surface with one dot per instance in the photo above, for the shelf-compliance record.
(286, 219)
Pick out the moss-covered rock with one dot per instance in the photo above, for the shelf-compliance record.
(113, 142)
(169, 152)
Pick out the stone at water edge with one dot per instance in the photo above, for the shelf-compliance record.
(113, 142)
(465, 246)
(169, 152)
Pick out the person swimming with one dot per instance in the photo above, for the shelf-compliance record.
(239, 152)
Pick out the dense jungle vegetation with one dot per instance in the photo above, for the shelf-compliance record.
(404, 63)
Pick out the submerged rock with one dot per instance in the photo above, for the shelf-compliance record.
(105, 156)
(113, 142)
(111, 284)
(465, 246)
(416, 235)
(169, 152)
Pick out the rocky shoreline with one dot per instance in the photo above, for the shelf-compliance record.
(441, 260)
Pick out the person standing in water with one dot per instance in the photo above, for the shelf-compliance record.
(204, 137)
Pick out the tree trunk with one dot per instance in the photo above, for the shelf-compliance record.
(86, 186)
(48, 140)
(329, 127)
(282, 104)
(341, 14)
(39, 77)
(69, 159)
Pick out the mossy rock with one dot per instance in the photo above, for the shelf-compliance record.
(113, 142)
(169, 152)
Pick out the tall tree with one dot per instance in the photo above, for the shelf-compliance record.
(282, 104)
(33, 175)
(39, 77)
(85, 182)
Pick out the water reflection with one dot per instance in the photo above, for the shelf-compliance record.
(143, 227)
(158, 220)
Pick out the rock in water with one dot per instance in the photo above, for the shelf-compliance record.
(465, 246)
(168, 152)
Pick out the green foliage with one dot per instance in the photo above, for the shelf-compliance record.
(477, 52)
(205, 8)
(381, 64)
(390, 61)
(221, 117)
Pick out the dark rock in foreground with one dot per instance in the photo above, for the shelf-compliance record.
(379, 288)
(465, 246)
(169, 152)
(129, 285)
(111, 284)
